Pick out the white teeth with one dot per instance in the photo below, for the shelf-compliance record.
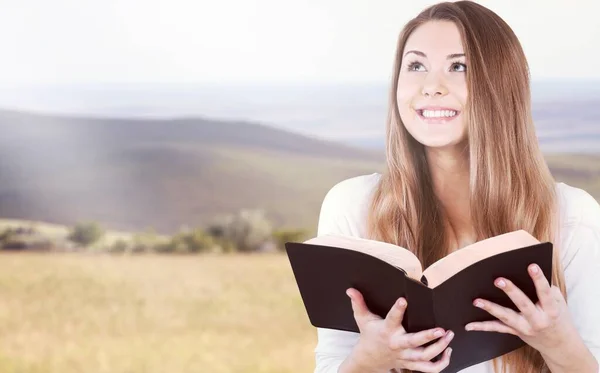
(438, 113)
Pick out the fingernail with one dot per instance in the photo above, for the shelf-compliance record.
(501, 283)
(468, 328)
(449, 336)
(438, 333)
(535, 269)
(449, 351)
(401, 302)
(478, 304)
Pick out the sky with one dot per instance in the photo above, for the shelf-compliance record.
(200, 41)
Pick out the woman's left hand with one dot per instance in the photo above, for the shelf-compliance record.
(545, 325)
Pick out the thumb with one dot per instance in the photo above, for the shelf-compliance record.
(359, 307)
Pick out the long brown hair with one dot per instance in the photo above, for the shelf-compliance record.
(510, 187)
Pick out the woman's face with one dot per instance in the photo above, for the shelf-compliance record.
(432, 86)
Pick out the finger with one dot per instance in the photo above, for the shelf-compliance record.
(491, 326)
(522, 301)
(503, 314)
(558, 301)
(362, 314)
(438, 347)
(429, 352)
(428, 366)
(542, 288)
(403, 340)
(395, 315)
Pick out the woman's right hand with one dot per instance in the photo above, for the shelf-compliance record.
(385, 345)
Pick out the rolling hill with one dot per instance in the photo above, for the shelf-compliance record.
(133, 174)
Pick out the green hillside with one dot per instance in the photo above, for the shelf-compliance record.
(134, 174)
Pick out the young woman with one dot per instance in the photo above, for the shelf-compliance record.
(463, 164)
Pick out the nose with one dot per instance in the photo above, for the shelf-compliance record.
(433, 86)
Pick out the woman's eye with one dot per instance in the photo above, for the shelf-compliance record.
(459, 65)
(413, 65)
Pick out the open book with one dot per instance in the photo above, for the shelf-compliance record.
(438, 296)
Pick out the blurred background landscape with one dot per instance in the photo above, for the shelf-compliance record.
(147, 187)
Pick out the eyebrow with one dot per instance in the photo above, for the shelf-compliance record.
(450, 56)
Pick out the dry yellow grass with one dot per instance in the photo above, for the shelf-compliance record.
(67, 313)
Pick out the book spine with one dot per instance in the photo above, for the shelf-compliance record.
(420, 310)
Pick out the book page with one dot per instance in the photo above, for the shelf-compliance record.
(392, 254)
(456, 261)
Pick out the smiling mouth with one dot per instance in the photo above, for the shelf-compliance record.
(437, 116)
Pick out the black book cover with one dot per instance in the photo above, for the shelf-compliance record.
(323, 274)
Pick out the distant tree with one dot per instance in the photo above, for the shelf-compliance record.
(246, 231)
(25, 238)
(198, 241)
(86, 233)
(189, 241)
(6, 235)
(144, 242)
(283, 235)
(119, 246)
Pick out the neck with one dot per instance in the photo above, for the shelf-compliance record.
(450, 177)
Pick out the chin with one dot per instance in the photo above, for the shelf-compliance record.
(449, 136)
(439, 140)
(440, 144)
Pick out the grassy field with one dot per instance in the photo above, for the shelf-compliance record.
(99, 314)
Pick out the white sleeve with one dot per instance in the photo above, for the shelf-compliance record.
(333, 346)
(581, 261)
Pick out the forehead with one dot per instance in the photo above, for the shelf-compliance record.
(436, 39)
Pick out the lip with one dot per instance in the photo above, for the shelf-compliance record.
(419, 112)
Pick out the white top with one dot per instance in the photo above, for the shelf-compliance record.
(344, 211)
